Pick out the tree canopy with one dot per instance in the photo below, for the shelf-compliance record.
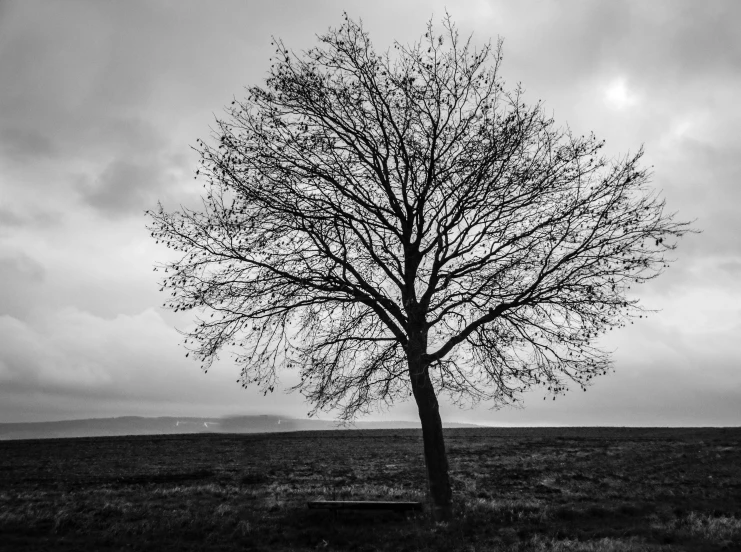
(366, 209)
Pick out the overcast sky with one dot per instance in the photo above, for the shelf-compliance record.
(101, 101)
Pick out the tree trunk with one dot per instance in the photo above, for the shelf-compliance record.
(436, 459)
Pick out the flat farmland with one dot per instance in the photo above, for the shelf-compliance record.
(515, 489)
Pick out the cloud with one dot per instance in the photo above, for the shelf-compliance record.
(125, 187)
(25, 144)
(704, 177)
(698, 39)
(9, 219)
(658, 40)
(31, 360)
(665, 375)
(21, 276)
(124, 365)
(20, 266)
(132, 185)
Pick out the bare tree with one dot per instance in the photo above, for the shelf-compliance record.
(398, 224)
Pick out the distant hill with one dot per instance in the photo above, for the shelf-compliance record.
(137, 425)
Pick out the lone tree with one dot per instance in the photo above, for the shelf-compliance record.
(399, 224)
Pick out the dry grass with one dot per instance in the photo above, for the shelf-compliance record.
(632, 544)
(718, 530)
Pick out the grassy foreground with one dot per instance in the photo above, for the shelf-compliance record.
(562, 489)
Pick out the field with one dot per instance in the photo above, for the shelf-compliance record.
(562, 489)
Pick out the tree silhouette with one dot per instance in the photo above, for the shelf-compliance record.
(398, 224)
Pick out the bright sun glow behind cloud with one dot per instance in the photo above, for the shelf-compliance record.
(618, 95)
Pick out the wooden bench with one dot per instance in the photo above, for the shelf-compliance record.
(363, 505)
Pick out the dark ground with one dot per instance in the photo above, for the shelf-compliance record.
(563, 489)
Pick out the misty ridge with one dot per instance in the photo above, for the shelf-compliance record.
(169, 425)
